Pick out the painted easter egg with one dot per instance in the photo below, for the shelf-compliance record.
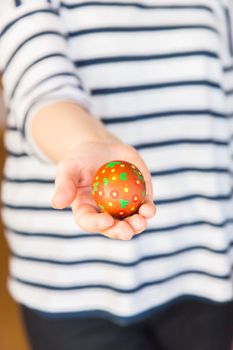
(118, 188)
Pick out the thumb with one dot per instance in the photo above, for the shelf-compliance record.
(66, 183)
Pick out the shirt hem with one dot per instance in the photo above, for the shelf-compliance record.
(126, 320)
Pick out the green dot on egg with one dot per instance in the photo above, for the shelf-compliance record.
(123, 176)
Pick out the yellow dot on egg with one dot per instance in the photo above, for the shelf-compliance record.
(132, 208)
(114, 178)
(138, 182)
(122, 165)
(97, 177)
(121, 212)
(110, 204)
(126, 189)
(103, 171)
(100, 193)
(133, 166)
(112, 170)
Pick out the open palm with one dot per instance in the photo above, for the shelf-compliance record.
(73, 187)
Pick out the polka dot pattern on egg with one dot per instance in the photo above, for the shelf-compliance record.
(118, 188)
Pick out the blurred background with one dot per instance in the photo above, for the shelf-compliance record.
(12, 336)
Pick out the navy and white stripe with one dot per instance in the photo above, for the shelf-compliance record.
(159, 74)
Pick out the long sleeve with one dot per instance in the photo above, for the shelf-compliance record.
(35, 63)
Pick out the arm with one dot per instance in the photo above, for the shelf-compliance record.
(79, 144)
(60, 127)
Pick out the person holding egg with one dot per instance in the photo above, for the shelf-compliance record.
(139, 258)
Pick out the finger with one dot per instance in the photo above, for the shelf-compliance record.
(120, 230)
(89, 219)
(147, 209)
(137, 222)
(66, 183)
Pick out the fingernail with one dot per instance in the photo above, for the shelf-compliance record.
(55, 200)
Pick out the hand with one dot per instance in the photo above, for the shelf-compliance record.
(73, 187)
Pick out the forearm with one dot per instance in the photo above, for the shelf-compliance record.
(60, 127)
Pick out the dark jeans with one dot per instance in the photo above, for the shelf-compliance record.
(186, 325)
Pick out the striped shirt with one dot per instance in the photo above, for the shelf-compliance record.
(159, 75)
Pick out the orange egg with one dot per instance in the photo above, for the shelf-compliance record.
(118, 188)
